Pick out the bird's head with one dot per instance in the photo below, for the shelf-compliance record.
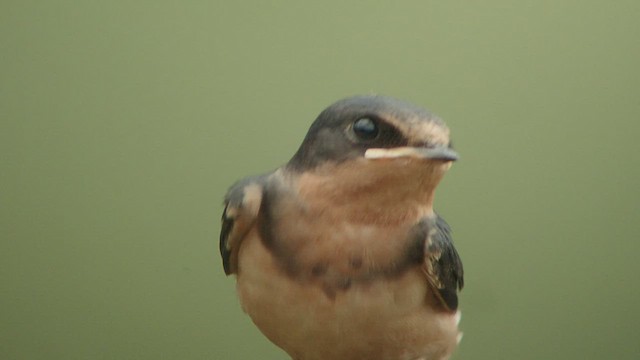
(366, 143)
(374, 130)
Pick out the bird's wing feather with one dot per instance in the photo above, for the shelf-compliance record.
(442, 265)
(242, 206)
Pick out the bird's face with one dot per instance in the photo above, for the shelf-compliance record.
(375, 143)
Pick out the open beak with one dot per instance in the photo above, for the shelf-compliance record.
(437, 153)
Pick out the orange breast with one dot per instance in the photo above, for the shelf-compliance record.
(386, 318)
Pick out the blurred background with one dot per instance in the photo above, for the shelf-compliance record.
(122, 124)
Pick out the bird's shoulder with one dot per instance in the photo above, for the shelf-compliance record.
(242, 204)
(442, 264)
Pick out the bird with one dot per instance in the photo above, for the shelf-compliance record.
(338, 254)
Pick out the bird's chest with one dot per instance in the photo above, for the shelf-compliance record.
(384, 317)
(337, 243)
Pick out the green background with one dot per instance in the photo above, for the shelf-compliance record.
(123, 122)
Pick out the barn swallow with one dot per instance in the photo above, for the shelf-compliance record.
(338, 254)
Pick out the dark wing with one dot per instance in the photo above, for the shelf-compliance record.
(442, 264)
(242, 205)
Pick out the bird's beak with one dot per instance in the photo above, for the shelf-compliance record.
(437, 153)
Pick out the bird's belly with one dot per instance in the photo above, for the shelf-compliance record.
(385, 318)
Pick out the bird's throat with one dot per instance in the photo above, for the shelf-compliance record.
(383, 192)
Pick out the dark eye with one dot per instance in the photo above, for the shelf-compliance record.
(365, 129)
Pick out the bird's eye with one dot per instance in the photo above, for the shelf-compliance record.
(365, 129)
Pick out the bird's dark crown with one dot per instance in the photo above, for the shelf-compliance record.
(347, 128)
